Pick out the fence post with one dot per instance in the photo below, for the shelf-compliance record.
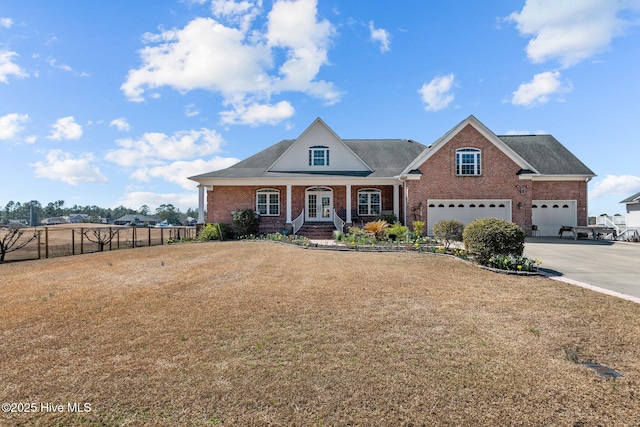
(46, 242)
(134, 236)
(148, 228)
(162, 236)
(111, 237)
(39, 243)
(118, 241)
(81, 241)
(73, 241)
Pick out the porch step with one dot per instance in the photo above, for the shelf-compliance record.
(317, 230)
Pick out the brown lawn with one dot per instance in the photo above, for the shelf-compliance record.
(251, 333)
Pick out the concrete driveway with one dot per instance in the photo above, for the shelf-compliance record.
(614, 266)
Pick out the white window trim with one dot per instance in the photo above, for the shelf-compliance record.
(268, 192)
(477, 161)
(369, 191)
(325, 155)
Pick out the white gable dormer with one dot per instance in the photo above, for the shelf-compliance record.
(318, 149)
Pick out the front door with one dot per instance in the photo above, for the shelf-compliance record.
(319, 205)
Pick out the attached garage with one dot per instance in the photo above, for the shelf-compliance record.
(466, 211)
(550, 215)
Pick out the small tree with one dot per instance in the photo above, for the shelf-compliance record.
(101, 236)
(11, 240)
(246, 222)
(447, 231)
(418, 227)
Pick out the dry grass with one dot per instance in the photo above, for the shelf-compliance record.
(250, 333)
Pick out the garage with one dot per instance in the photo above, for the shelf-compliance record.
(466, 211)
(550, 215)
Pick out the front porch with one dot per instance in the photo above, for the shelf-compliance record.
(290, 207)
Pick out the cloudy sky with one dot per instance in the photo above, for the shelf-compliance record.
(115, 103)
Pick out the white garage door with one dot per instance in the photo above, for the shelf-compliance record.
(466, 211)
(550, 215)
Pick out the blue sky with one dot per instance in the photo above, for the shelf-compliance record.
(115, 103)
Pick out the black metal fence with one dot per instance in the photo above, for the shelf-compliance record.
(57, 241)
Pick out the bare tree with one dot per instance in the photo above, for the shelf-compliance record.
(101, 236)
(11, 239)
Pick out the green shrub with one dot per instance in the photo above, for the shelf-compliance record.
(418, 227)
(490, 236)
(398, 230)
(218, 231)
(246, 222)
(447, 231)
(388, 218)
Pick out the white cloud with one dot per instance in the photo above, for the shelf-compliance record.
(381, 36)
(66, 128)
(183, 201)
(11, 125)
(120, 124)
(177, 172)
(572, 31)
(156, 148)
(436, 94)
(525, 132)
(241, 13)
(8, 68)
(6, 22)
(191, 110)
(62, 166)
(236, 61)
(621, 185)
(64, 67)
(539, 90)
(256, 114)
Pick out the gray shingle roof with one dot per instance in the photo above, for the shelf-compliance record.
(632, 199)
(389, 157)
(386, 157)
(546, 155)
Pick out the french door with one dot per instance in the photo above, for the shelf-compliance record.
(319, 204)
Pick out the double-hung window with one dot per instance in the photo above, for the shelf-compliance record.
(369, 202)
(319, 155)
(468, 162)
(268, 202)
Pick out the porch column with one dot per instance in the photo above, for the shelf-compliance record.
(288, 203)
(348, 204)
(396, 201)
(201, 189)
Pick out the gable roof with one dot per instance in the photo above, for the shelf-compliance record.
(318, 132)
(632, 199)
(385, 158)
(546, 155)
(482, 129)
(535, 154)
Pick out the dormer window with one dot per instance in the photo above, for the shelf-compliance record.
(468, 162)
(319, 155)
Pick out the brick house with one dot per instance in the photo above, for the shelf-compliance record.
(469, 173)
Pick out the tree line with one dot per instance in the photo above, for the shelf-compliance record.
(34, 212)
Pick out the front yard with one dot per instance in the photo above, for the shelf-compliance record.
(254, 333)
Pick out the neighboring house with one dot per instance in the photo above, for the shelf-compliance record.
(136, 219)
(468, 173)
(54, 220)
(633, 211)
(77, 218)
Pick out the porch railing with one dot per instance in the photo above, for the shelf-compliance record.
(298, 222)
(338, 222)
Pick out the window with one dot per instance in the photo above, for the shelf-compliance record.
(268, 202)
(319, 155)
(468, 162)
(369, 202)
